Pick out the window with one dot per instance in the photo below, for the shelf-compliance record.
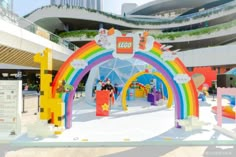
(190, 69)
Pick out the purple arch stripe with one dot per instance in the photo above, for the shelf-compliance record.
(75, 84)
(169, 79)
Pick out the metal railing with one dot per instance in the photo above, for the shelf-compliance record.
(34, 108)
(204, 32)
(184, 18)
(11, 17)
(30, 94)
(224, 8)
(211, 11)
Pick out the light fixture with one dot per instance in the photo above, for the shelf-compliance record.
(175, 51)
(162, 46)
(5, 74)
(167, 47)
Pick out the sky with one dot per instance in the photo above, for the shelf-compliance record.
(23, 7)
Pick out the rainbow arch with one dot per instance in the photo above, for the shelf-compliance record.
(157, 74)
(185, 95)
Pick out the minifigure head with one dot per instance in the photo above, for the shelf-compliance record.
(102, 31)
(108, 81)
(100, 82)
(205, 87)
(145, 33)
(63, 82)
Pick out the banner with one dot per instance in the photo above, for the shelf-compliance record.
(10, 108)
(102, 103)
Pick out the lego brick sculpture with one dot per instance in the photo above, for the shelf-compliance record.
(51, 109)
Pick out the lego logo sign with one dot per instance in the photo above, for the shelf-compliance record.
(124, 45)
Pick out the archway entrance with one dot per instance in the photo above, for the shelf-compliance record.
(124, 91)
(108, 45)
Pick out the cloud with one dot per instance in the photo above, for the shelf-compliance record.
(79, 64)
(141, 41)
(105, 40)
(191, 123)
(168, 56)
(182, 78)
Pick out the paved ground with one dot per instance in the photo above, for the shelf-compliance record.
(149, 151)
(141, 122)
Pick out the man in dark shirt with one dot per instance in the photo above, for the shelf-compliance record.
(108, 86)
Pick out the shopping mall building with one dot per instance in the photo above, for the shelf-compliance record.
(202, 32)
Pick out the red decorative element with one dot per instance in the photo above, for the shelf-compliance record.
(209, 74)
(102, 98)
(124, 45)
(227, 111)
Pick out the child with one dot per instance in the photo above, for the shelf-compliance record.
(99, 85)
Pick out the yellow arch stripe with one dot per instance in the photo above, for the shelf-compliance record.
(159, 75)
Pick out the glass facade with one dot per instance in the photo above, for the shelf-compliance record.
(7, 4)
(99, 5)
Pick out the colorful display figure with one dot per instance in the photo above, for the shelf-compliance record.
(51, 109)
(143, 40)
(204, 92)
(64, 88)
(155, 95)
(103, 38)
(153, 85)
(116, 91)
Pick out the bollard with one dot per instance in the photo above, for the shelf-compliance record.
(23, 105)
